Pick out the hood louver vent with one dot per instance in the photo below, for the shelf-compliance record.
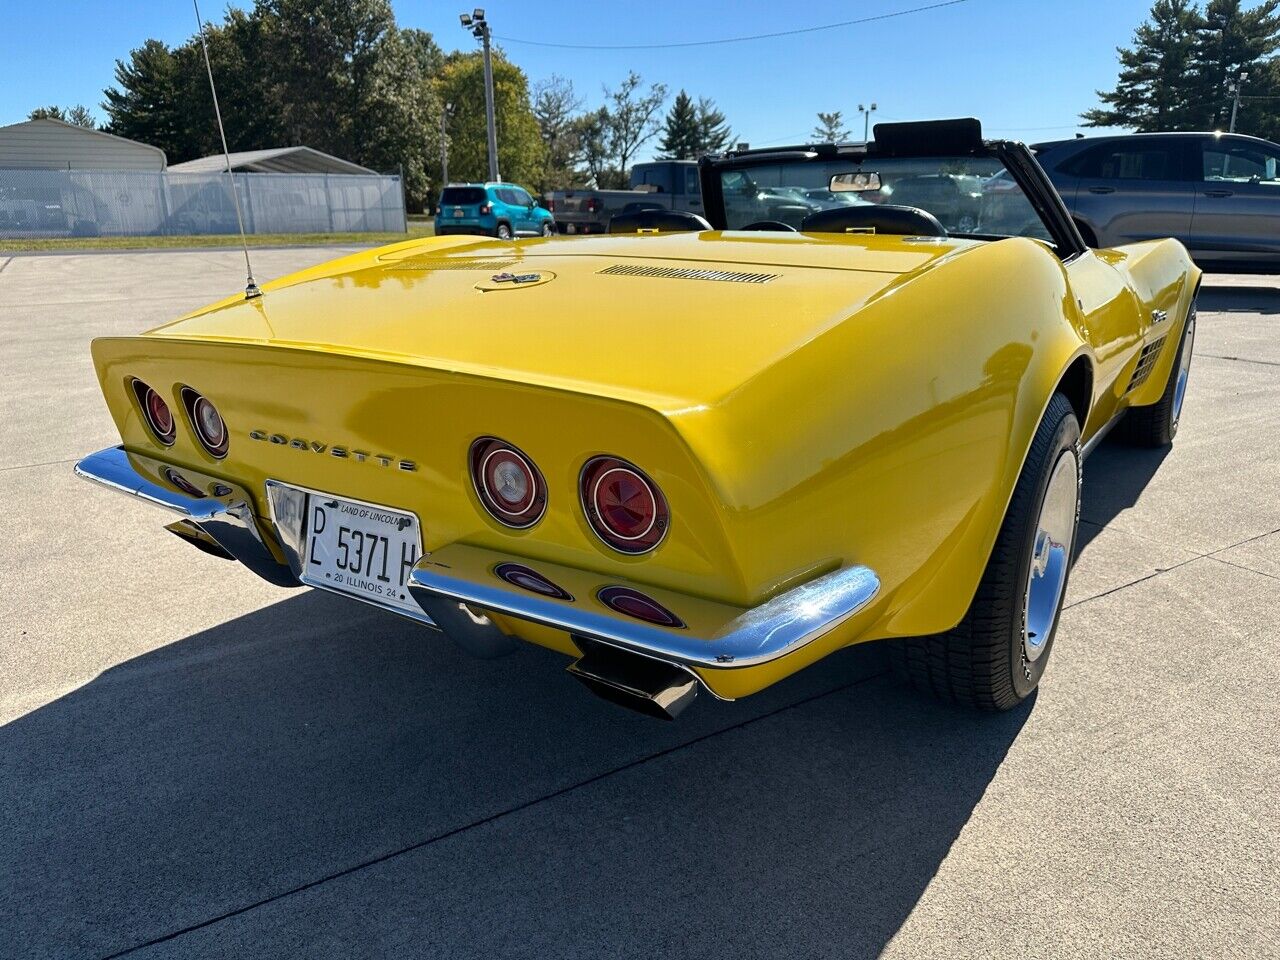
(1146, 362)
(428, 263)
(677, 273)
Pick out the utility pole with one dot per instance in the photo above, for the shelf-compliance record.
(1234, 88)
(866, 120)
(479, 27)
(444, 145)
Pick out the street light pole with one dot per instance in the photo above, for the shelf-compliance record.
(866, 120)
(444, 146)
(479, 27)
(1235, 101)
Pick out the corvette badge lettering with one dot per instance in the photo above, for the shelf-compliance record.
(342, 453)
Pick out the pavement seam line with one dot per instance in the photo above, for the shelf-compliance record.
(1241, 566)
(30, 466)
(8, 260)
(484, 821)
(1215, 356)
(1211, 555)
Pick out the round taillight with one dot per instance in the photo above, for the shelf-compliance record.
(208, 424)
(156, 412)
(508, 484)
(633, 603)
(624, 507)
(519, 575)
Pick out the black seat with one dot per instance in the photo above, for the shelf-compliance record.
(874, 218)
(659, 221)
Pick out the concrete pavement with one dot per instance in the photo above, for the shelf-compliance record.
(196, 764)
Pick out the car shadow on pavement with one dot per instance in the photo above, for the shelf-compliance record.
(218, 782)
(1114, 478)
(1239, 298)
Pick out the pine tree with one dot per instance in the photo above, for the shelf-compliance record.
(1228, 42)
(1156, 89)
(78, 115)
(830, 128)
(714, 135)
(681, 132)
(142, 106)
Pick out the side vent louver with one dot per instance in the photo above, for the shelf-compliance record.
(681, 273)
(1146, 361)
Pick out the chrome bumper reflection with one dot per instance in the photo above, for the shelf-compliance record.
(459, 580)
(226, 521)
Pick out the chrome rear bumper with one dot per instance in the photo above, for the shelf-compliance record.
(223, 524)
(456, 585)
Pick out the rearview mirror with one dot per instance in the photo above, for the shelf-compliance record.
(855, 182)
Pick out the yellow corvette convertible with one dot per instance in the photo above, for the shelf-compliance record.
(690, 453)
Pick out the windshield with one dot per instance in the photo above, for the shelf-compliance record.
(970, 196)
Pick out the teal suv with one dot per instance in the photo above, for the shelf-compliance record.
(492, 209)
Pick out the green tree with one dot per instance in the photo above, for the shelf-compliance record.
(521, 154)
(1230, 41)
(555, 106)
(681, 132)
(143, 105)
(1157, 87)
(78, 115)
(591, 144)
(632, 121)
(714, 135)
(830, 128)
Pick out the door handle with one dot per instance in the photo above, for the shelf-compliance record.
(1102, 189)
(1218, 193)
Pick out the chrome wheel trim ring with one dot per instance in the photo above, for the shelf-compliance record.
(1051, 554)
(1184, 371)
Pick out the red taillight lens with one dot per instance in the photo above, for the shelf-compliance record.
(519, 575)
(485, 209)
(624, 507)
(208, 424)
(633, 603)
(508, 484)
(551, 206)
(156, 412)
(593, 205)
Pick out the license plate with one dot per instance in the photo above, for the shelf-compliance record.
(363, 550)
(457, 212)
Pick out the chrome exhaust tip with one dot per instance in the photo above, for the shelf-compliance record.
(652, 687)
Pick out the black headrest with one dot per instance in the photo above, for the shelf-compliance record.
(874, 218)
(663, 221)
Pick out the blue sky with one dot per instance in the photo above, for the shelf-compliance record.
(1025, 67)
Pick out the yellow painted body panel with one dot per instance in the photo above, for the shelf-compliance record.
(872, 403)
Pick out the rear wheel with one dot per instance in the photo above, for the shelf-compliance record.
(1157, 425)
(503, 232)
(995, 656)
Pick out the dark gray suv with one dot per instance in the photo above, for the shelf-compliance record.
(1219, 193)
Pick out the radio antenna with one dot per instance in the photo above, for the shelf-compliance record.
(251, 288)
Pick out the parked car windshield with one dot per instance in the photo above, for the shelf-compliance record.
(970, 196)
(462, 196)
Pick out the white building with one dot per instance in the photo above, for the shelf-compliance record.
(53, 145)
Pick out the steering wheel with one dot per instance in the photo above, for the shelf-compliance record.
(770, 225)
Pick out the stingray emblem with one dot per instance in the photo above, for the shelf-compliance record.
(516, 278)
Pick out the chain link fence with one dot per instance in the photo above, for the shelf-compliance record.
(92, 203)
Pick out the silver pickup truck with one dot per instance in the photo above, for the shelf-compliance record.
(659, 185)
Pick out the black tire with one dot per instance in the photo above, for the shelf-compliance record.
(982, 661)
(503, 231)
(1157, 425)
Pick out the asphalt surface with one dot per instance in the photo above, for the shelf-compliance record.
(196, 764)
